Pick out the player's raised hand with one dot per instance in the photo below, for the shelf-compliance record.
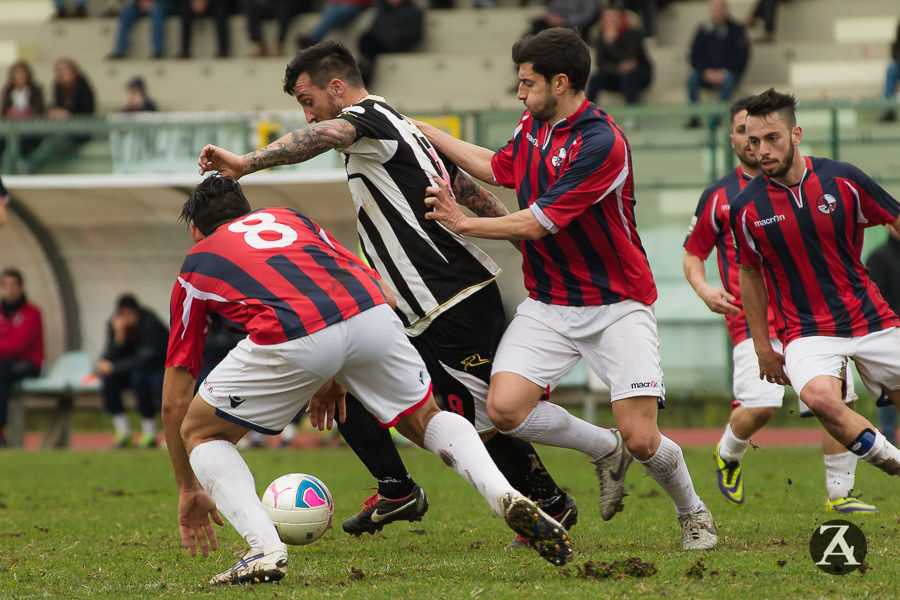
(322, 406)
(195, 508)
(718, 300)
(228, 164)
(443, 205)
(771, 367)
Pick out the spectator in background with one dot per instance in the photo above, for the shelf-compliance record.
(765, 10)
(397, 27)
(72, 97)
(282, 11)
(577, 15)
(891, 78)
(219, 10)
(884, 270)
(62, 13)
(647, 9)
(22, 99)
(4, 201)
(335, 13)
(719, 55)
(137, 100)
(134, 357)
(21, 339)
(622, 63)
(130, 12)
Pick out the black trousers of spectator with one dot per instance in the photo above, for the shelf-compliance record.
(219, 11)
(280, 10)
(370, 46)
(629, 84)
(765, 10)
(12, 371)
(147, 385)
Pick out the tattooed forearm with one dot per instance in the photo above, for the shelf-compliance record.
(476, 198)
(302, 144)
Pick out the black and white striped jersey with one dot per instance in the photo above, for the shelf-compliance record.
(428, 267)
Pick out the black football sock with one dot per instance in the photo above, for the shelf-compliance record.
(373, 445)
(520, 463)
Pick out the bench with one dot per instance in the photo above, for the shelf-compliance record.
(69, 378)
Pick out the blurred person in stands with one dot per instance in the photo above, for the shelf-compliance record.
(397, 27)
(622, 63)
(647, 9)
(766, 11)
(21, 337)
(78, 11)
(719, 55)
(282, 11)
(884, 271)
(22, 99)
(4, 200)
(72, 97)
(130, 12)
(134, 357)
(334, 14)
(137, 99)
(891, 78)
(577, 15)
(219, 10)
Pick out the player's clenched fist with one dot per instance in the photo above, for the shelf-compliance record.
(228, 164)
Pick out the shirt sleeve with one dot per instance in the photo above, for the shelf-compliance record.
(188, 327)
(502, 165)
(705, 225)
(746, 249)
(875, 205)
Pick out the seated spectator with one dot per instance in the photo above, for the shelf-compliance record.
(282, 11)
(134, 357)
(334, 14)
(130, 12)
(21, 339)
(719, 55)
(4, 201)
(577, 15)
(72, 96)
(622, 63)
(647, 10)
(219, 10)
(62, 13)
(891, 78)
(22, 99)
(397, 27)
(137, 100)
(765, 10)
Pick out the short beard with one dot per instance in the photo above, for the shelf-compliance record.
(547, 112)
(781, 170)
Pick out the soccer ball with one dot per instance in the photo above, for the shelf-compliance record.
(300, 506)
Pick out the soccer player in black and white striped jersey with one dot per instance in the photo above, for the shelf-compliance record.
(444, 285)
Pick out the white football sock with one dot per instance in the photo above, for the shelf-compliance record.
(121, 424)
(148, 427)
(668, 469)
(553, 425)
(225, 476)
(840, 472)
(289, 433)
(883, 455)
(731, 447)
(456, 442)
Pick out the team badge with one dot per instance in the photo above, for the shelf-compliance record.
(826, 204)
(558, 157)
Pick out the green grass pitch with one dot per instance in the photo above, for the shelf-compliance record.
(102, 525)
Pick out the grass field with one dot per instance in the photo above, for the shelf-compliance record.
(102, 525)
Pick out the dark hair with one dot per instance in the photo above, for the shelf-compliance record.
(738, 105)
(20, 64)
(127, 301)
(323, 62)
(771, 101)
(14, 273)
(554, 51)
(214, 201)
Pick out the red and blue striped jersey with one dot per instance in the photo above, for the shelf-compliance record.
(576, 178)
(807, 240)
(710, 229)
(273, 273)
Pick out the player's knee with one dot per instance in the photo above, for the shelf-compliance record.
(413, 425)
(640, 442)
(503, 415)
(822, 399)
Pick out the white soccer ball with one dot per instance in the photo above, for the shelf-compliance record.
(300, 505)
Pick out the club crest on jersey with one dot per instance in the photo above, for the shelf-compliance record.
(826, 204)
(558, 157)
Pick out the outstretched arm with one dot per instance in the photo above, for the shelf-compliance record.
(475, 160)
(292, 148)
(477, 199)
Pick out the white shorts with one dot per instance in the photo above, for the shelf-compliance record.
(748, 388)
(875, 354)
(263, 387)
(619, 342)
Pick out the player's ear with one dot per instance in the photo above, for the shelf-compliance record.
(559, 83)
(196, 234)
(796, 134)
(336, 87)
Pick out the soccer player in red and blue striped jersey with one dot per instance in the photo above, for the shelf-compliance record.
(590, 288)
(755, 401)
(802, 225)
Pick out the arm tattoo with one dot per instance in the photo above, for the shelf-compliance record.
(477, 199)
(302, 144)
